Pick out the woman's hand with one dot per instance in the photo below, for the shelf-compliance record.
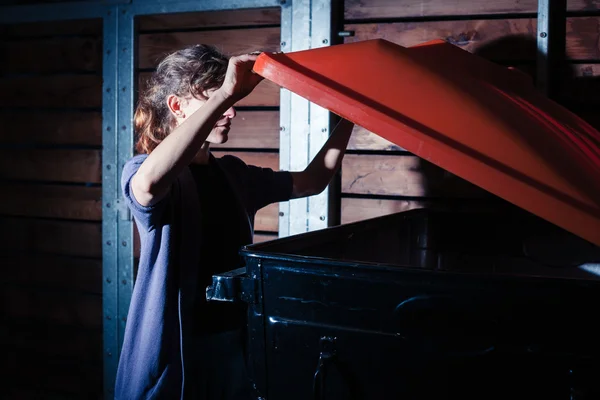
(240, 80)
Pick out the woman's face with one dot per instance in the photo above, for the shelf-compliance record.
(219, 133)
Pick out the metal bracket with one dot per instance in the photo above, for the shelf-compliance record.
(123, 212)
(233, 287)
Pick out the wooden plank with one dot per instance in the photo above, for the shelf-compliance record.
(267, 218)
(153, 47)
(52, 201)
(51, 165)
(362, 139)
(72, 128)
(266, 94)
(502, 39)
(265, 160)
(72, 378)
(213, 19)
(55, 341)
(53, 272)
(260, 237)
(53, 237)
(583, 36)
(52, 55)
(354, 209)
(402, 175)
(68, 309)
(496, 39)
(361, 9)
(56, 91)
(53, 28)
(581, 85)
(253, 130)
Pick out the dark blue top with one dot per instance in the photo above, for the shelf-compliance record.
(156, 360)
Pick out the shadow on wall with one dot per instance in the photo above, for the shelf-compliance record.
(577, 84)
(577, 89)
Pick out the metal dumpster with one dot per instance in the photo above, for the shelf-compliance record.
(435, 304)
(422, 305)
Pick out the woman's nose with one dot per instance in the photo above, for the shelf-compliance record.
(230, 113)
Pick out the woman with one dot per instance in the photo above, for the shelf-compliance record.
(193, 212)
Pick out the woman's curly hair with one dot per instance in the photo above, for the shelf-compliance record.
(191, 71)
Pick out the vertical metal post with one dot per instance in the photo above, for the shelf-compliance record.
(110, 274)
(300, 116)
(319, 118)
(127, 87)
(285, 117)
(551, 40)
(117, 226)
(304, 127)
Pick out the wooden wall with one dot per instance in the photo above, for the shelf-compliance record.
(50, 154)
(379, 178)
(50, 211)
(254, 135)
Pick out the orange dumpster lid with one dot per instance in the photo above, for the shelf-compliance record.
(483, 122)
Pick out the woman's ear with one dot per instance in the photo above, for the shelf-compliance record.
(175, 105)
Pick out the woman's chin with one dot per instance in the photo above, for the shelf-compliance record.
(218, 137)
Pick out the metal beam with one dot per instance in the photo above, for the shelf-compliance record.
(319, 118)
(304, 126)
(110, 272)
(148, 7)
(117, 139)
(56, 11)
(551, 42)
(285, 118)
(97, 8)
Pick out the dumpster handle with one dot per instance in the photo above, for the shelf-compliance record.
(326, 357)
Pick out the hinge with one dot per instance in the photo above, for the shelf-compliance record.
(233, 286)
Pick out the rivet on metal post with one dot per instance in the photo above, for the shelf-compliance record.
(543, 35)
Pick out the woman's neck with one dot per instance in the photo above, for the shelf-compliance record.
(203, 155)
